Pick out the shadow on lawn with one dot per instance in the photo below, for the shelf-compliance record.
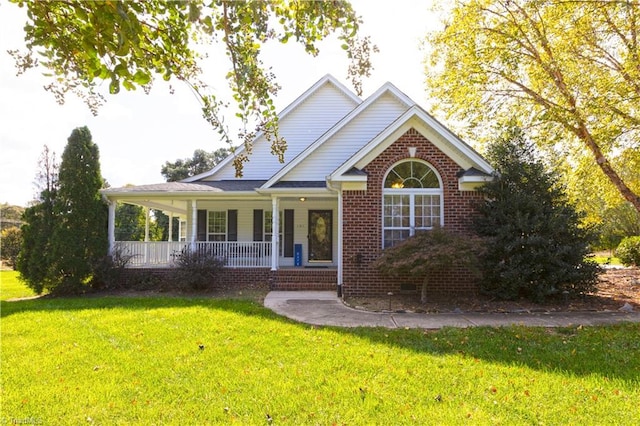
(610, 351)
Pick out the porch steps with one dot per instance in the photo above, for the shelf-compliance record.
(304, 279)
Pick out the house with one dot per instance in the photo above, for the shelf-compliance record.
(359, 176)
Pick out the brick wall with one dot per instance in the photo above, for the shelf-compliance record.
(362, 222)
(239, 278)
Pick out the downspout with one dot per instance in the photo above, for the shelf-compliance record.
(339, 192)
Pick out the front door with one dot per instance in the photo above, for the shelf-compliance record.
(320, 233)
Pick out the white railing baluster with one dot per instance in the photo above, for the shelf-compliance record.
(162, 253)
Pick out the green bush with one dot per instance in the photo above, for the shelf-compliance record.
(197, 270)
(429, 252)
(629, 251)
(537, 247)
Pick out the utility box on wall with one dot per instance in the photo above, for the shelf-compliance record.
(297, 254)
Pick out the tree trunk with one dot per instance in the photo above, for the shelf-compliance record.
(583, 133)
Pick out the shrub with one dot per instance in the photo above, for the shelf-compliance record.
(197, 270)
(629, 251)
(537, 247)
(428, 252)
(10, 242)
(109, 271)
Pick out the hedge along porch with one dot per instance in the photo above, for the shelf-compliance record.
(358, 176)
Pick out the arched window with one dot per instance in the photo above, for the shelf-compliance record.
(412, 201)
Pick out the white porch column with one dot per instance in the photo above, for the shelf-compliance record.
(170, 227)
(275, 240)
(340, 216)
(194, 224)
(146, 235)
(146, 224)
(111, 230)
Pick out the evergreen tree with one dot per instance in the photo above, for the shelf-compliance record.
(537, 247)
(34, 259)
(80, 235)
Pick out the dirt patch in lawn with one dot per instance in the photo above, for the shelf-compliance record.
(617, 288)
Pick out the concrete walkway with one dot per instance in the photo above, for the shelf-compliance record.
(324, 308)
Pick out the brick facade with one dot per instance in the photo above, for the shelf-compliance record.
(239, 278)
(362, 222)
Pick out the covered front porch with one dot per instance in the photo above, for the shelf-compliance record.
(284, 229)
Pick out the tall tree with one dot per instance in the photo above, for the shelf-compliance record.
(79, 239)
(129, 43)
(201, 162)
(35, 257)
(567, 70)
(536, 247)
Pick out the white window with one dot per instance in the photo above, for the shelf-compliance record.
(412, 201)
(268, 227)
(217, 226)
(182, 231)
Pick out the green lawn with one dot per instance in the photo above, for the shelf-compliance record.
(114, 360)
(11, 287)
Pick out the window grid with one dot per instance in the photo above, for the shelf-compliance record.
(268, 228)
(412, 201)
(217, 226)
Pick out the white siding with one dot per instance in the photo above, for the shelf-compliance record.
(300, 128)
(300, 218)
(343, 145)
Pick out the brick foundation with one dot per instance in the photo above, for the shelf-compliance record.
(362, 223)
(244, 278)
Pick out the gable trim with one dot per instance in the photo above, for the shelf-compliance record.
(461, 153)
(327, 79)
(386, 88)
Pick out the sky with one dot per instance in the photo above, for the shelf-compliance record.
(137, 133)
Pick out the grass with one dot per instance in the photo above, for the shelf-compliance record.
(11, 287)
(115, 360)
(605, 258)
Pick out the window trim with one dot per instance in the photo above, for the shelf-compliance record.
(412, 193)
(226, 225)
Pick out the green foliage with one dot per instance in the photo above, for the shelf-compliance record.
(128, 44)
(617, 223)
(129, 222)
(10, 243)
(10, 216)
(537, 247)
(428, 252)
(568, 70)
(79, 239)
(65, 233)
(35, 257)
(197, 270)
(202, 161)
(629, 251)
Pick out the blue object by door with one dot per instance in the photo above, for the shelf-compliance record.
(297, 254)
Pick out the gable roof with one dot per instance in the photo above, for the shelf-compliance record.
(282, 116)
(417, 118)
(386, 89)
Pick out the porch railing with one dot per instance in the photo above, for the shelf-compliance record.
(159, 254)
